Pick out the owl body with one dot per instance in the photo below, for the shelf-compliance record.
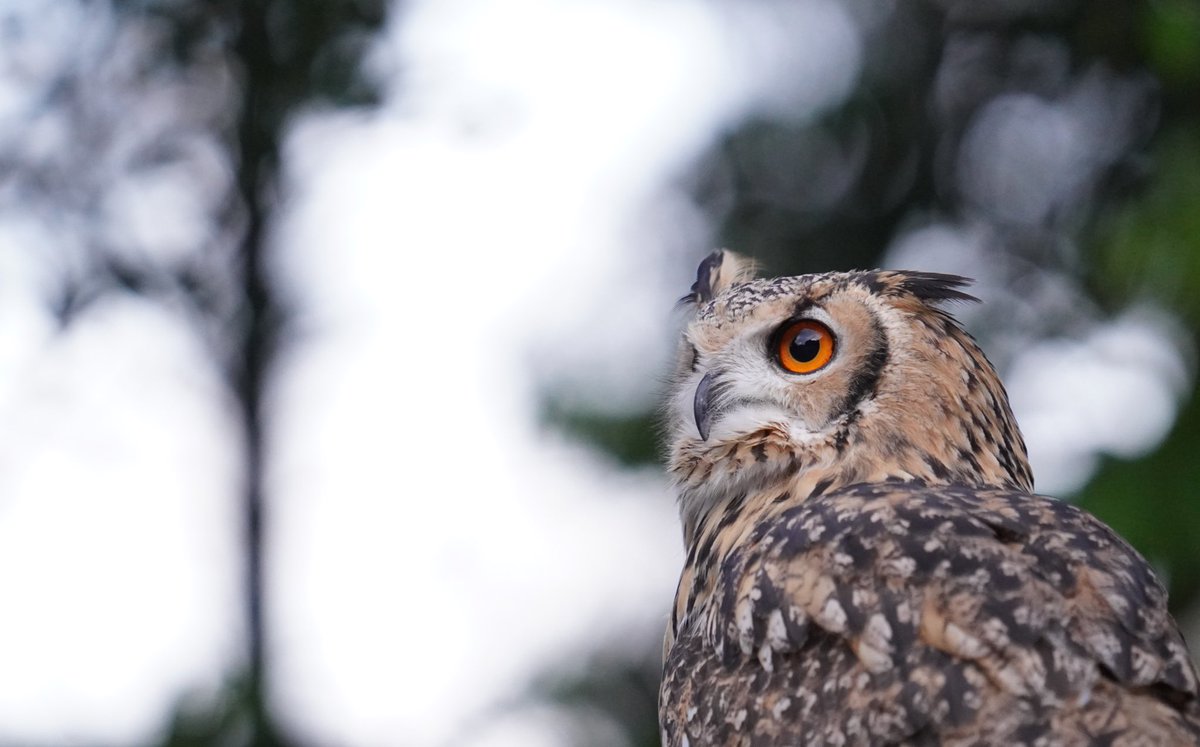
(866, 561)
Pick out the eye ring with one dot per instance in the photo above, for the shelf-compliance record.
(803, 346)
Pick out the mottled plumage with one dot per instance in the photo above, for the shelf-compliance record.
(866, 561)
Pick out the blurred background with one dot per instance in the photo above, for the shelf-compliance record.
(331, 333)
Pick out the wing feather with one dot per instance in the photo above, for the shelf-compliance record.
(898, 613)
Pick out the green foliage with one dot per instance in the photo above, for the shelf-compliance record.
(1171, 35)
(225, 719)
(1150, 245)
(1154, 503)
(1147, 247)
(630, 439)
(623, 689)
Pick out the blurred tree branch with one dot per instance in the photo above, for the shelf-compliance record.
(207, 89)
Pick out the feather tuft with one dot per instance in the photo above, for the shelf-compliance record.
(936, 287)
(717, 272)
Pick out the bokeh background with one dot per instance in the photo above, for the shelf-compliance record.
(331, 332)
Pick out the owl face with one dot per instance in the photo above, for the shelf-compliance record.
(803, 360)
(848, 377)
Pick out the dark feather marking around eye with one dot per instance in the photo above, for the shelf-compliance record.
(862, 386)
(802, 307)
(695, 358)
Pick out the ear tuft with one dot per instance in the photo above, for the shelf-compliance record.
(717, 272)
(935, 287)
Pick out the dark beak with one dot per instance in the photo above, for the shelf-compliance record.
(703, 404)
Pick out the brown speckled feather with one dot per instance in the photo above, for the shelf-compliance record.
(901, 613)
(866, 562)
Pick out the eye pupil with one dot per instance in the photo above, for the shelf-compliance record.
(805, 346)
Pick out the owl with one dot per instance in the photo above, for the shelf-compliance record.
(866, 562)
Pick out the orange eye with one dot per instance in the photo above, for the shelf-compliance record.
(804, 346)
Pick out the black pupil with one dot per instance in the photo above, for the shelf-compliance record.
(805, 345)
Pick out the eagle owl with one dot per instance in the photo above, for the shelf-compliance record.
(866, 560)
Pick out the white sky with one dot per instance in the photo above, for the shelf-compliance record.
(508, 212)
(497, 203)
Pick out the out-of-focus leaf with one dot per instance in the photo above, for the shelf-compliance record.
(1171, 34)
(616, 684)
(1150, 246)
(1154, 503)
(222, 719)
(630, 439)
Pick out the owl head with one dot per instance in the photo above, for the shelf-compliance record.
(821, 380)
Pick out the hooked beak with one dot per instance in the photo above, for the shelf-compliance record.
(703, 404)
